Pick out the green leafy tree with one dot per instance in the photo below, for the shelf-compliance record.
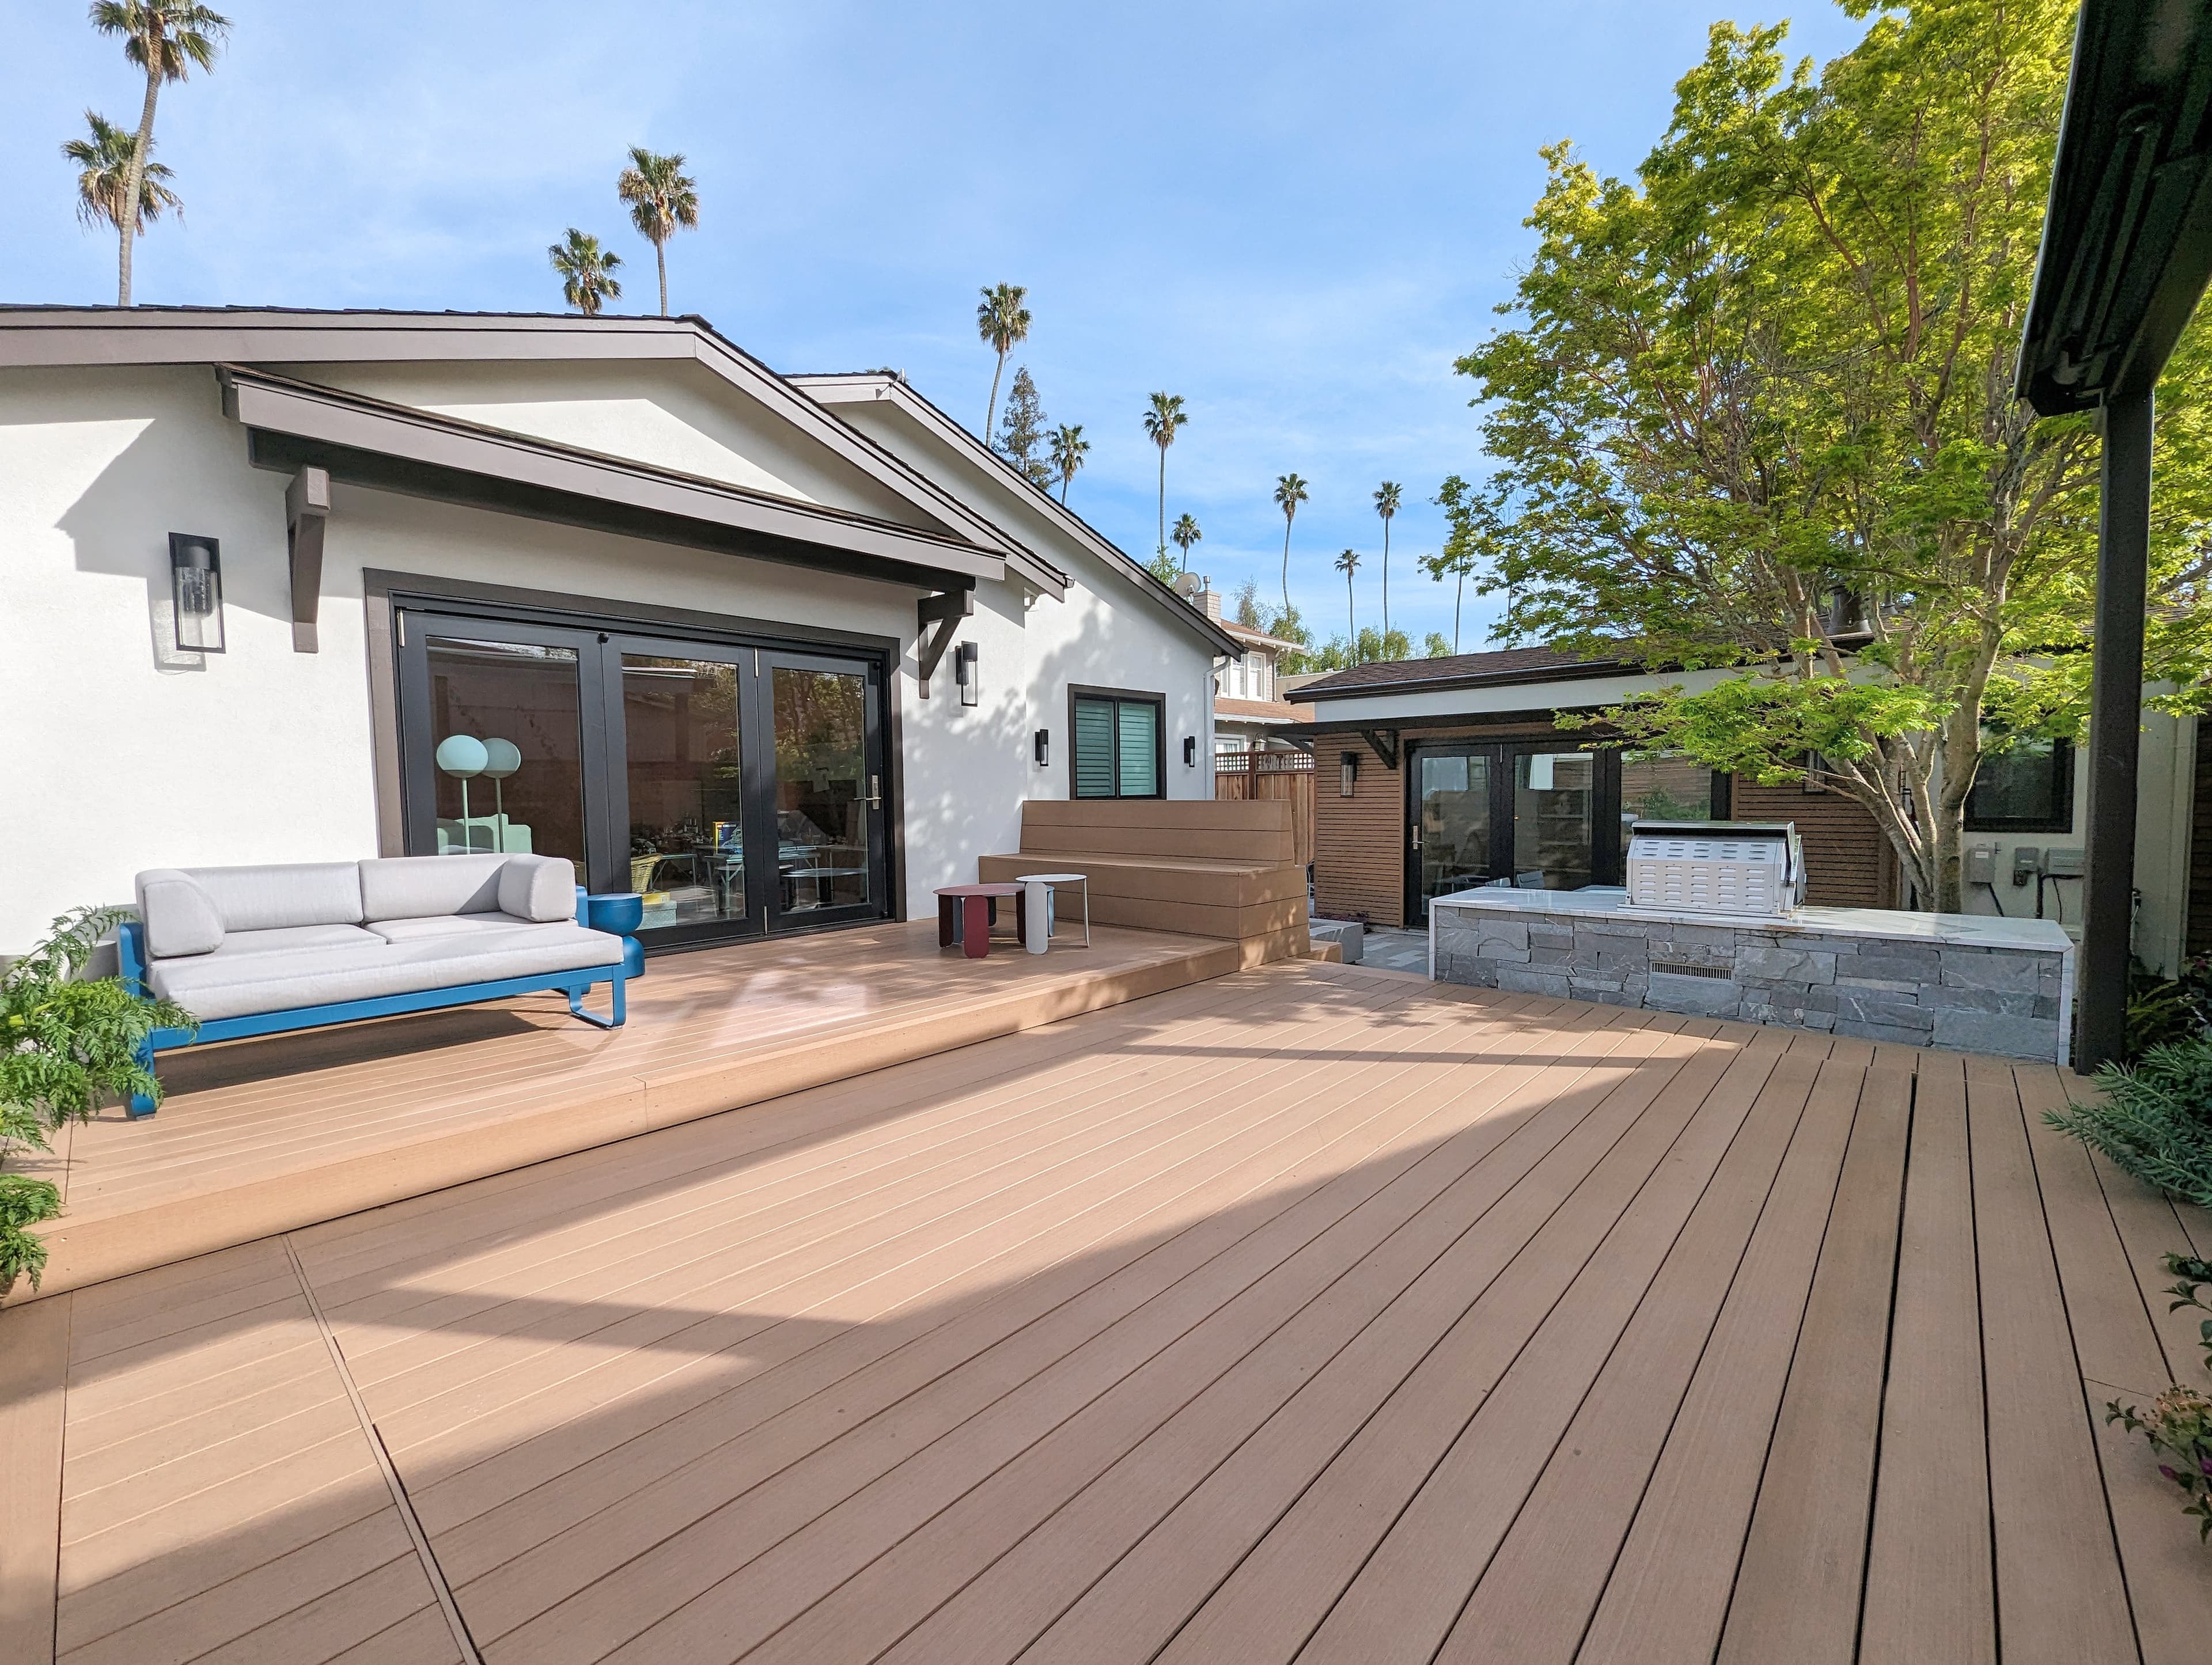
(1162, 566)
(1022, 440)
(166, 39)
(1290, 492)
(1388, 496)
(104, 157)
(1348, 564)
(1436, 647)
(1003, 322)
(1183, 534)
(1069, 448)
(66, 1042)
(1462, 552)
(1162, 422)
(587, 271)
(1755, 415)
(662, 199)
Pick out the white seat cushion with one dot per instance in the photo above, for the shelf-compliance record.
(213, 986)
(294, 939)
(450, 925)
(280, 894)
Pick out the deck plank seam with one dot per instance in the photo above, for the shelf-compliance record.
(423, 1554)
(1888, 1357)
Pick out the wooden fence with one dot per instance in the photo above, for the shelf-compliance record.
(1280, 776)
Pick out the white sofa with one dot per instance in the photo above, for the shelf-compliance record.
(253, 950)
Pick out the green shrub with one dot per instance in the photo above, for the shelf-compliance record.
(2155, 1120)
(67, 1041)
(2179, 1424)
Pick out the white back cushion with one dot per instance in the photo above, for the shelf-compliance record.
(269, 898)
(180, 918)
(538, 887)
(425, 886)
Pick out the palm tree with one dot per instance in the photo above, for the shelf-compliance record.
(1161, 422)
(104, 170)
(166, 38)
(663, 199)
(1387, 497)
(586, 271)
(1069, 448)
(1348, 564)
(1185, 534)
(1290, 492)
(1003, 322)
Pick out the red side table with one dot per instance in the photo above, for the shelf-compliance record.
(965, 914)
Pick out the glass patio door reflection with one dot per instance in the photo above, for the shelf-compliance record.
(829, 790)
(1451, 822)
(1517, 811)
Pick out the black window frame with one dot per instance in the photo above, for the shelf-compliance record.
(2061, 820)
(1158, 701)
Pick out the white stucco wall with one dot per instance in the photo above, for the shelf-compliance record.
(127, 755)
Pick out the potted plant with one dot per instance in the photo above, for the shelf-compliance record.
(67, 1041)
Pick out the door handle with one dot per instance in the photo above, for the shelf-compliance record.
(875, 791)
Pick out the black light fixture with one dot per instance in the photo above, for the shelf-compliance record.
(1190, 751)
(196, 588)
(964, 673)
(1348, 763)
(1042, 741)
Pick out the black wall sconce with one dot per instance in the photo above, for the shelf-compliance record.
(196, 587)
(966, 674)
(1348, 763)
(1190, 751)
(1042, 743)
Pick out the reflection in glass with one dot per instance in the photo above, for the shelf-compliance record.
(822, 790)
(687, 851)
(507, 760)
(1455, 819)
(1662, 789)
(1554, 797)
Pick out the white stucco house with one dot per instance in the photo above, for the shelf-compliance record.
(780, 653)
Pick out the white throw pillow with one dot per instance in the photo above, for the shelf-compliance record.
(538, 887)
(180, 918)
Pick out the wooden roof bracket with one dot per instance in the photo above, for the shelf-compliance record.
(306, 512)
(946, 610)
(1385, 742)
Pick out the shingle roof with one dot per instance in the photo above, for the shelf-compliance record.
(1504, 664)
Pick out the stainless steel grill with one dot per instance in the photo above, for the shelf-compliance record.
(1731, 867)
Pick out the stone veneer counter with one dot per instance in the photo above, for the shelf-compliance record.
(1961, 980)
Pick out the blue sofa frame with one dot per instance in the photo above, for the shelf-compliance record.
(131, 952)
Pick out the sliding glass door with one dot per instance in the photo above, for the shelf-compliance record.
(1520, 812)
(737, 788)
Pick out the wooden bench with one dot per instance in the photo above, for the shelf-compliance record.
(1203, 867)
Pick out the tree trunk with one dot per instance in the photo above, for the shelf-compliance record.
(1286, 569)
(991, 413)
(1456, 594)
(660, 258)
(1164, 500)
(134, 183)
(1386, 584)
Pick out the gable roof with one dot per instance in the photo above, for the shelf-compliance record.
(874, 386)
(65, 336)
(1502, 666)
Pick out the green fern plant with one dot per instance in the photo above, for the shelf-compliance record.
(2155, 1121)
(67, 1042)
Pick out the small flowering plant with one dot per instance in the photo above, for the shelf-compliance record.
(2179, 1424)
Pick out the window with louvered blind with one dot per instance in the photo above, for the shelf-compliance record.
(1117, 746)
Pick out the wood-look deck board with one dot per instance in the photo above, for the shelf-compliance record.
(1300, 1312)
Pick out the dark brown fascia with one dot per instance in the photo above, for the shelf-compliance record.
(335, 429)
(865, 387)
(31, 336)
(1307, 694)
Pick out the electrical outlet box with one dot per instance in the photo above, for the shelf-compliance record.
(1981, 864)
(2062, 864)
(2026, 863)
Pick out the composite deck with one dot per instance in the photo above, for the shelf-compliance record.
(1308, 1313)
(262, 1136)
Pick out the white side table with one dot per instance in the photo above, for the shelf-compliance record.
(1039, 903)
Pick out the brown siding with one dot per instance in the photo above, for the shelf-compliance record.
(1360, 842)
(2199, 936)
(1845, 853)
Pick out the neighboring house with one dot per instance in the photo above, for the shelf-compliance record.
(312, 586)
(1438, 774)
(1250, 711)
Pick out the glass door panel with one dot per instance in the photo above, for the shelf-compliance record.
(1554, 806)
(505, 748)
(683, 763)
(1662, 789)
(1452, 821)
(827, 791)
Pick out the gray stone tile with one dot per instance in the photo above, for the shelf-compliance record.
(1807, 966)
(1699, 997)
(1890, 963)
(1981, 999)
(1994, 1032)
(1881, 1032)
(1531, 979)
(1979, 969)
(1895, 1011)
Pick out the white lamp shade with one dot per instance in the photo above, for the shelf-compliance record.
(503, 758)
(462, 756)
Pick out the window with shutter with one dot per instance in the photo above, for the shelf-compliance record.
(1094, 749)
(1117, 746)
(1139, 749)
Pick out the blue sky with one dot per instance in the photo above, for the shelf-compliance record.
(1295, 215)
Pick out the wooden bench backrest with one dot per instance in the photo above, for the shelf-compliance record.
(1206, 828)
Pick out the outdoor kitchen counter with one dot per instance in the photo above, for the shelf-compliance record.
(1963, 981)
